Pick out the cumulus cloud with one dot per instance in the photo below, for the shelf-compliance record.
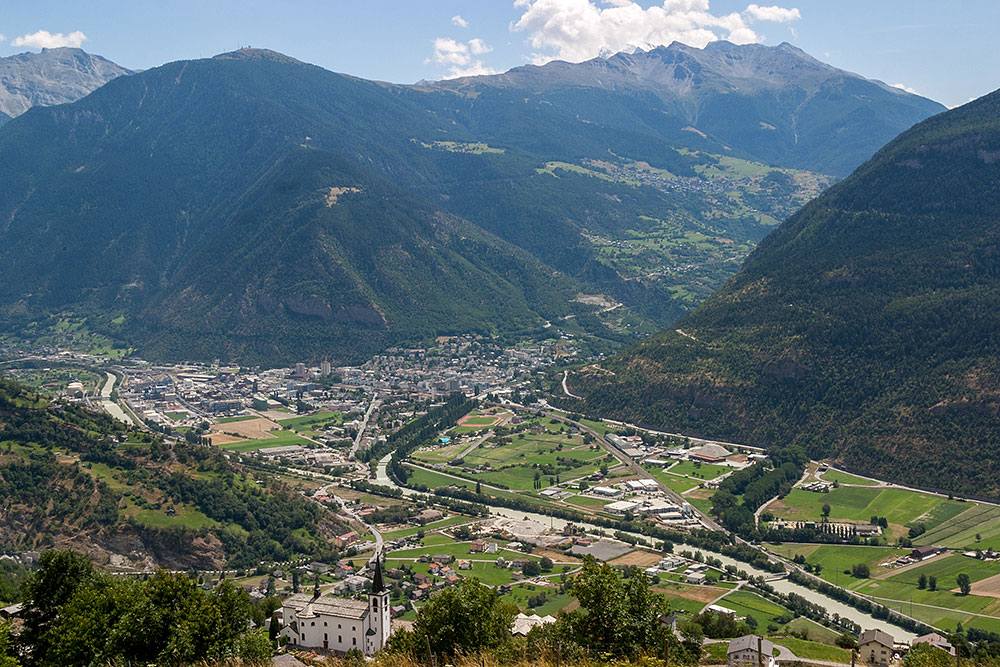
(43, 39)
(2, 38)
(459, 21)
(772, 13)
(903, 86)
(577, 30)
(460, 57)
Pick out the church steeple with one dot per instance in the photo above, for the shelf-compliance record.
(378, 585)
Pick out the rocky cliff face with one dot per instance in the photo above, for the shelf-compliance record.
(54, 76)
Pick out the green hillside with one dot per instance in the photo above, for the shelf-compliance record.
(74, 478)
(864, 328)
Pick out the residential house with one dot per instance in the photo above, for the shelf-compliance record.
(750, 651)
(935, 640)
(875, 647)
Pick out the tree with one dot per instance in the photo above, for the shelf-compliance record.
(479, 487)
(861, 571)
(826, 510)
(922, 581)
(925, 655)
(932, 583)
(7, 658)
(546, 564)
(531, 569)
(59, 575)
(964, 583)
(462, 619)
(295, 581)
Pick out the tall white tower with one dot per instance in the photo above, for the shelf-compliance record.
(379, 611)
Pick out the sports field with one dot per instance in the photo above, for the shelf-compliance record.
(900, 507)
(278, 439)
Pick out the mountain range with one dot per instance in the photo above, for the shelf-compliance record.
(54, 76)
(864, 328)
(253, 207)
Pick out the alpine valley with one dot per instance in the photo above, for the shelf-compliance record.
(254, 208)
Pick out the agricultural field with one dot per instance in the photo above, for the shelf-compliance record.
(239, 418)
(836, 558)
(961, 529)
(516, 460)
(900, 507)
(840, 477)
(435, 525)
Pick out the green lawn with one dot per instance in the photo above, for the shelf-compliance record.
(586, 501)
(456, 549)
(700, 470)
(817, 632)
(239, 418)
(745, 603)
(810, 650)
(554, 603)
(185, 518)
(960, 529)
(835, 558)
(832, 475)
(280, 439)
(675, 482)
(900, 507)
(313, 422)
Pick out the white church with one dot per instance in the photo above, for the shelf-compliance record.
(339, 625)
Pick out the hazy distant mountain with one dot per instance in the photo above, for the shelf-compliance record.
(776, 104)
(54, 76)
(865, 327)
(184, 209)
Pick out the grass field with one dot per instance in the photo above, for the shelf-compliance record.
(515, 463)
(185, 518)
(586, 501)
(280, 439)
(832, 475)
(314, 422)
(961, 529)
(899, 506)
(745, 603)
(817, 632)
(554, 603)
(239, 418)
(700, 470)
(676, 482)
(810, 650)
(835, 558)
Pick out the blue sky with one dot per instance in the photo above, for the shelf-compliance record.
(943, 50)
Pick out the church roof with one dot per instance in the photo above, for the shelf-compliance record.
(378, 586)
(306, 606)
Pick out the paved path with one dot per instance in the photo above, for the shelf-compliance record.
(566, 388)
(364, 425)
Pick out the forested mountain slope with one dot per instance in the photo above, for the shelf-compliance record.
(72, 478)
(253, 207)
(865, 328)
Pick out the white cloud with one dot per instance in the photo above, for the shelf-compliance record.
(459, 56)
(577, 30)
(903, 86)
(772, 13)
(43, 39)
(2, 38)
(459, 21)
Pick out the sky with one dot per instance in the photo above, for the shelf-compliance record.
(944, 50)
